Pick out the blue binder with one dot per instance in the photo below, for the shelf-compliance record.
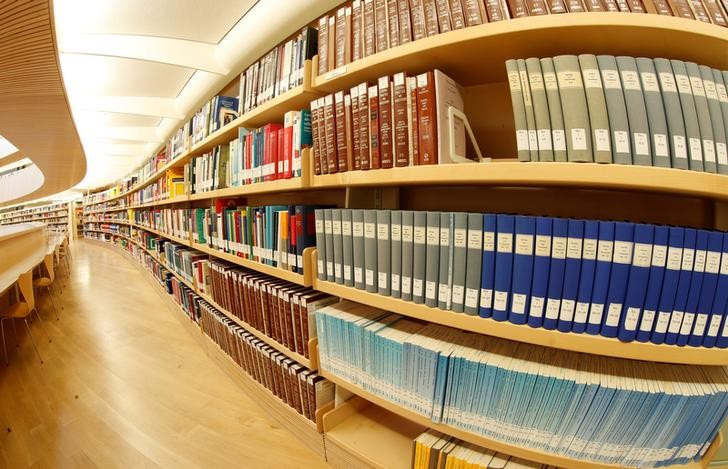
(715, 335)
(541, 268)
(618, 278)
(696, 282)
(602, 271)
(572, 271)
(669, 284)
(586, 276)
(683, 287)
(639, 274)
(503, 266)
(488, 275)
(559, 239)
(707, 289)
(525, 229)
(654, 283)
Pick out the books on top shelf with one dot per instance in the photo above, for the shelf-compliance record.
(600, 409)
(637, 282)
(653, 112)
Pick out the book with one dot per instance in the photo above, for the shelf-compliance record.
(556, 117)
(401, 128)
(368, 28)
(540, 109)
(473, 263)
(572, 272)
(405, 21)
(654, 283)
(616, 109)
(396, 264)
(458, 14)
(384, 253)
(707, 290)
(655, 112)
(374, 151)
(381, 25)
(407, 254)
(528, 105)
(364, 141)
(637, 285)
(597, 107)
(503, 266)
(356, 30)
(445, 271)
(673, 114)
(323, 45)
(344, 159)
(573, 97)
(696, 280)
(338, 243)
(619, 277)
(417, 14)
(716, 331)
(419, 256)
(716, 119)
(432, 258)
(358, 248)
(386, 145)
(586, 275)
(669, 284)
(602, 274)
(636, 111)
(682, 288)
(370, 251)
(519, 110)
(541, 271)
(432, 20)
(320, 245)
(427, 119)
(690, 115)
(559, 244)
(701, 106)
(460, 255)
(393, 22)
(525, 232)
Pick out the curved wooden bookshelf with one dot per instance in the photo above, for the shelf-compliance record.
(476, 55)
(586, 343)
(495, 445)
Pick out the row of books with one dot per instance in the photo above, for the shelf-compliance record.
(400, 121)
(300, 388)
(268, 153)
(660, 112)
(584, 407)
(47, 210)
(170, 185)
(617, 279)
(173, 222)
(281, 310)
(181, 259)
(435, 450)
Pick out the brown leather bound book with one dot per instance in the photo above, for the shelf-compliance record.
(385, 122)
(315, 131)
(681, 9)
(716, 13)
(355, 149)
(594, 5)
(340, 51)
(518, 8)
(493, 10)
(405, 22)
(369, 42)
(332, 42)
(374, 155)
(413, 121)
(536, 8)
(622, 5)
(658, 7)
(330, 128)
(699, 11)
(636, 6)
(322, 135)
(443, 16)
(473, 16)
(381, 27)
(431, 20)
(348, 128)
(393, 23)
(611, 5)
(556, 6)
(342, 149)
(356, 18)
(323, 45)
(364, 162)
(427, 117)
(575, 6)
(399, 111)
(417, 13)
(457, 14)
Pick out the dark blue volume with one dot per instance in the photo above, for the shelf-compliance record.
(683, 287)
(559, 235)
(572, 271)
(669, 284)
(621, 263)
(541, 268)
(654, 284)
(525, 229)
(586, 276)
(639, 274)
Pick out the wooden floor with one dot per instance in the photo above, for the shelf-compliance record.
(125, 385)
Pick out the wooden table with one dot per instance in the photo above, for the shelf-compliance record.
(22, 247)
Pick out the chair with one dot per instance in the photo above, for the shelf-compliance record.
(21, 310)
(47, 281)
(65, 254)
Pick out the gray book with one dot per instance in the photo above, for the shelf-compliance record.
(673, 114)
(383, 252)
(407, 254)
(555, 113)
(576, 119)
(432, 259)
(636, 111)
(445, 272)
(597, 106)
(473, 263)
(655, 112)
(716, 119)
(616, 109)
(370, 250)
(701, 107)
(519, 110)
(348, 242)
(396, 261)
(329, 231)
(357, 235)
(690, 115)
(338, 246)
(419, 256)
(459, 261)
(530, 117)
(320, 245)
(720, 87)
(540, 110)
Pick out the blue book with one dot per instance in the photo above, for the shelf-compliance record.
(602, 271)
(683, 287)
(618, 277)
(654, 283)
(572, 272)
(670, 281)
(559, 239)
(716, 335)
(488, 275)
(639, 274)
(707, 289)
(525, 229)
(541, 268)
(505, 225)
(696, 283)
(586, 275)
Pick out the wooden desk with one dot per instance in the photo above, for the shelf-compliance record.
(22, 247)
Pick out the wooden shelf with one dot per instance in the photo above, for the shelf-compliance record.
(586, 343)
(495, 445)
(477, 55)
(174, 200)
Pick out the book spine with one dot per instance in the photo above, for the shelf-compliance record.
(662, 7)
(443, 16)
(331, 54)
(427, 119)
(716, 118)
(323, 48)
(655, 112)
(381, 25)
(445, 270)
(699, 10)
(540, 110)
(417, 13)
(338, 246)
(654, 283)
(330, 130)
(432, 259)
(370, 250)
(576, 122)
(518, 8)
(616, 109)
(536, 8)
(413, 121)
(348, 161)
(519, 110)
(341, 40)
(636, 6)
(690, 115)
(355, 128)
(636, 111)
(396, 264)
(473, 263)
(597, 106)
(572, 271)
(419, 256)
(602, 273)
(528, 103)
(555, 112)
(405, 21)
(356, 30)
(716, 13)
(701, 106)
(368, 28)
(357, 234)
(681, 9)
(638, 282)
(525, 231)
(431, 20)
(374, 146)
(393, 23)
(364, 150)
(457, 13)
(673, 114)
(493, 10)
(503, 266)
(385, 122)
(401, 130)
(472, 13)
(315, 128)
(407, 254)
(342, 150)
(586, 276)
(383, 252)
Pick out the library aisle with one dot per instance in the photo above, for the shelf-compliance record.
(125, 385)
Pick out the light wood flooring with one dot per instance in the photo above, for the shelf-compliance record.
(125, 385)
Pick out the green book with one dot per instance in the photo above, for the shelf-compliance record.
(616, 109)
(706, 127)
(530, 117)
(573, 98)
(597, 105)
(636, 111)
(555, 113)
(655, 112)
(519, 110)
(540, 110)
(673, 114)
(690, 115)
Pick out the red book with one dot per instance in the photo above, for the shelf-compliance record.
(363, 127)
(280, 158)
(342, 147)
(288, 146)
(385, 123)
(401, 126)
(330, 132)
(413, 121)
(355, 128)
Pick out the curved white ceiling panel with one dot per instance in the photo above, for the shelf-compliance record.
(19, 183)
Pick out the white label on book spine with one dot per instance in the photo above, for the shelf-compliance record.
(649, 82)
(601, 137)
(590, 249)
(369, 273)
(500, 301)
(395, 282)
(724, 333)
(641, 143)
(544, 139)
(630, 80)
(430, 290)
(687, 324)
(532, 140)
(488, 239)
(667, 80)
(433, 236)
(611, 80)
(580, 312)
(524, 87)
(701, 320)
(346, 228)
(595, 313)
(569, 79)
(573, 248)
(687, 259)
(370, 230)
(630, 321)
(396, 232)
(722, 94)
(329, 267)
(696, 151)
(406, 284)
(486, 297)
(337, 271)
(543, 245)
(567, 310)
(714, 325)
(417, 287)
(559, 139)
(337, 228)
(648, 317)
(724, 264)
(681, 151)
(319, 226)
(642, 254)
(419, 234)
(552, 308)
(578, 139)
(347, 272)
(505, 242)
(699, 260)
(475, 239)
(613, 313)
(471, 297)
(383, 232)
(721, 153)
(712, 262)
(708, 150)
(591, 78)
(458, 294)
(524, 244)
(623, 252)
(559, 247)
(358, 277)
(382, 280)
(536, 309)
(549, 79)
(659, 255)
(522, 140)
(661, 146)
(536, 81)
(514, 81)
(442, 291)
(518, 303)
(444, 237)
(621, 141)
(675, 322)
(663, 319)
(710, 92)
(696, 84)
